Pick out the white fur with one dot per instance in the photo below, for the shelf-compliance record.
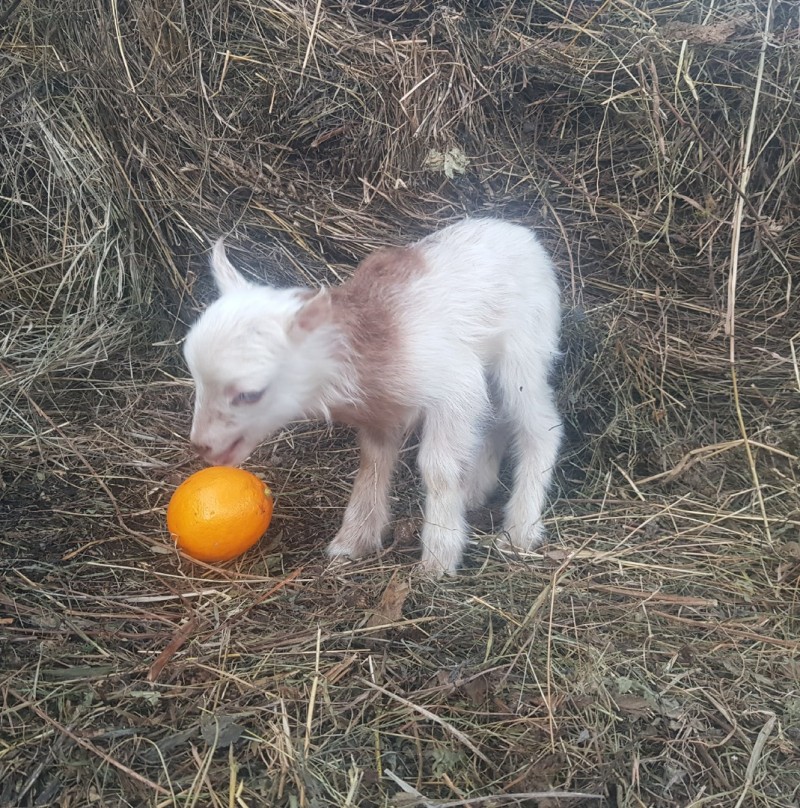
(478, 327)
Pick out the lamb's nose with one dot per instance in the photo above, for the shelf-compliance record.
(201, 448)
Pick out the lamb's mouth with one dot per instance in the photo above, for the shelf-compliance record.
(224, 458)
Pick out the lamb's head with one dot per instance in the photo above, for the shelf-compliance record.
(254, 362)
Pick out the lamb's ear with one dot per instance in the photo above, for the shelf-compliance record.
(226, 276)
(315, 312)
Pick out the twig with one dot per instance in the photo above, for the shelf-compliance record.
(730, 318)
(181, 635)
(755, 757)
(412, 797)
(90, 746)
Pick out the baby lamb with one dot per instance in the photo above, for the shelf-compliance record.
(456, 334)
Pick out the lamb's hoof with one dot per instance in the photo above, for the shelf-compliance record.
(432, 570)
(518, 542)
(352, 547)
(338, 561)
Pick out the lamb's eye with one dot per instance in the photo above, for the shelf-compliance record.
(248, 397)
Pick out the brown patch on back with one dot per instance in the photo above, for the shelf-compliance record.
(369, 307)
(389, 265)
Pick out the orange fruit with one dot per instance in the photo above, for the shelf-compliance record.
(219, 513)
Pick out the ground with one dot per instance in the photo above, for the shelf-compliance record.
(645, 656)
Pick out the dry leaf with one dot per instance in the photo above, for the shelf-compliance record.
(406, 531)
(716, 34)
(390, 609)
(634, 706)
(451, 162)
(477, 690)
(220, 730)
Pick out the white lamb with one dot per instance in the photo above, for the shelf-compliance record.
(456, 333)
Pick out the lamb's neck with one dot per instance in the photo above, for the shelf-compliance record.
(338, 384)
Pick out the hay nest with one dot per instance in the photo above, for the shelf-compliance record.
(648, 655)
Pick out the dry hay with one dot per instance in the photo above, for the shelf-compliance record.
(649, 654)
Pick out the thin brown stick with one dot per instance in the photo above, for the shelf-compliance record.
(88, 745)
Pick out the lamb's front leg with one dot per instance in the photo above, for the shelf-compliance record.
(450, 443)
(367, 513)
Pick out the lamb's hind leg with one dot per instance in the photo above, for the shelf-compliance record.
(485, 476)
(367, 513)
(537, 433)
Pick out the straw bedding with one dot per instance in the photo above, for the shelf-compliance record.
(648, 654)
